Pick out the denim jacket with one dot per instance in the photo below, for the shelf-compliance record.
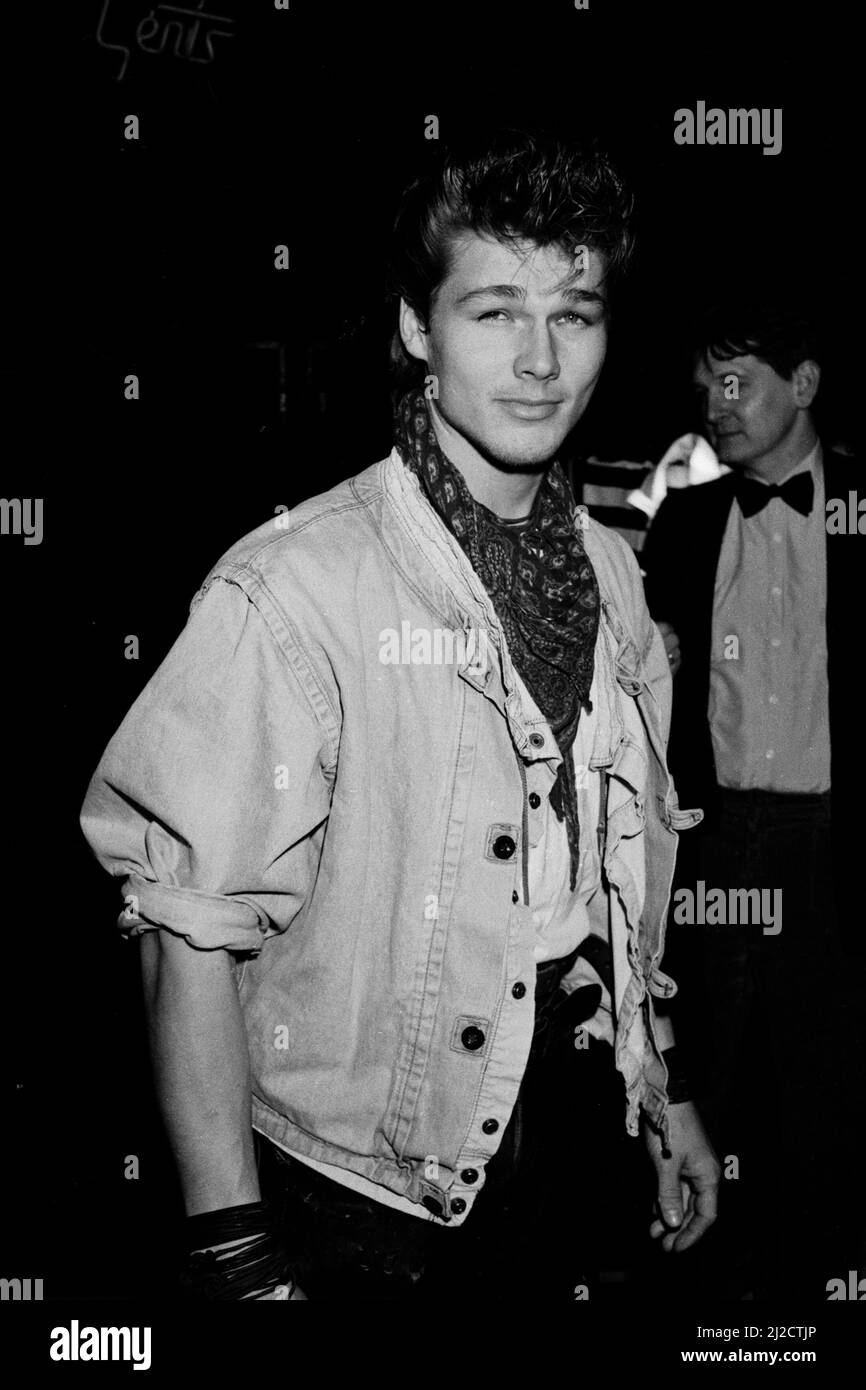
(358, 830)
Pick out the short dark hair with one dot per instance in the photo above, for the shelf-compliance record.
(773, 332)
(513, 185)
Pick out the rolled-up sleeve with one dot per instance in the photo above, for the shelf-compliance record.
(207, 799)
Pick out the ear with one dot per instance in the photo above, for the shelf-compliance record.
(807, 379)
(414, 337)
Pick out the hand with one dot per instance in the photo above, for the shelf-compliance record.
(672, 646)
(281, 1295)
(688, 1181)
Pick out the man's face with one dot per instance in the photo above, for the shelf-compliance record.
(747, 427)
(516, 343)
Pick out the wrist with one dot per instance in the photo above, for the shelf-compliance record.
(678, 1087)
(235, 1253)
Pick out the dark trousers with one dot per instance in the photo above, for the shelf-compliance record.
(516, 1240)
(776, 1036)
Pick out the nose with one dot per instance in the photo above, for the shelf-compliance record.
(715, 406)
(537, 354)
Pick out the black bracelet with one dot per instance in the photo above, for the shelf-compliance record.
(255, 1267)
(678, 1088)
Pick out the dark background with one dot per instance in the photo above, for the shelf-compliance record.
(260, 388)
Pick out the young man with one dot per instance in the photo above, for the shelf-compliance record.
(755, 579)
(406, 764)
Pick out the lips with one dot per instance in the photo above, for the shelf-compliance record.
(530, 410)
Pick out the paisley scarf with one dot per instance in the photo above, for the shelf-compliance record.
(540, 581)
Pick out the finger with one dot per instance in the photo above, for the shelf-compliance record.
(670, 1207)
(702, 1217)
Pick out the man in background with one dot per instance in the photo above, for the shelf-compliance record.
(761, 590)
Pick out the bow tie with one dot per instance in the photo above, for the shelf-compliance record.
(798, 492)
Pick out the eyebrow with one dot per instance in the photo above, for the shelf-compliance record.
(741, 373)
(571, 294)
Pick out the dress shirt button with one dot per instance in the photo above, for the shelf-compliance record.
(536, 740)
(518, 990)
(775, 641)
(458, 1206)
(770, 753)
(776, 590)
(534, 800)
(469, 1175)
(777, 536)
(472, 1038)
(774, 699)
(514, 897)
(490, 1126)
(503, 846)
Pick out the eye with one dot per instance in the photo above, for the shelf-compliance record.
(575, 317)
(490, 314)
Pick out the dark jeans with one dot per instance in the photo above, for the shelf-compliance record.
(775, 1028)
(348, 1246)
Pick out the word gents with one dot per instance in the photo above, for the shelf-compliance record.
(739, 907)
(733, 127)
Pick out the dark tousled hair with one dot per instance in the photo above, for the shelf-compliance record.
(777, 334)
(515, 186)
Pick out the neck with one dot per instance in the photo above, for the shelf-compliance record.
(784, 458)
(508, 495)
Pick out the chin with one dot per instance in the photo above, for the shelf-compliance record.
(529, 455)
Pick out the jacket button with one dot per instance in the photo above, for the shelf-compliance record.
(490, 1126)
(469, 1175)
(537, 740)
(534, 800)
(503, 846)
(458, 1206)
(432, 1205)
(518, 990)
(472, 1038)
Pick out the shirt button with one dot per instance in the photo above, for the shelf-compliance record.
(770, 753)
(774, 699)
(536, 740)
(490, 1126)
(776, 590)
(472, 1038)
(776, 642)
(514, 897)
(518, 990)
(458, 1206)
(503, 846)
(468, 1175)
(534, 800)
(777, 536)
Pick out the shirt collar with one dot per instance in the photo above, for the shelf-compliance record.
(810, 464)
